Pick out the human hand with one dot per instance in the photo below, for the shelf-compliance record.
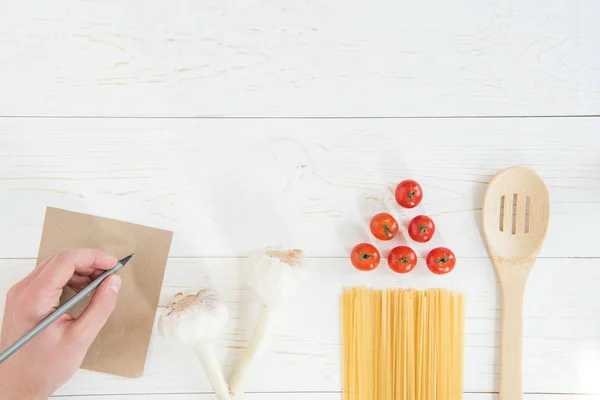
(49, 360)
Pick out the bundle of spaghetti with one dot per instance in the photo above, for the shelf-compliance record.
(402, 344)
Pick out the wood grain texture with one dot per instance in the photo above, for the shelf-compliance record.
(227, 187)
(307, 58)
(561, 330)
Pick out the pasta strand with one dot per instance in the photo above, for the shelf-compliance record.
(402, 344)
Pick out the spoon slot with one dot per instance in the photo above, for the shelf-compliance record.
(514, 215)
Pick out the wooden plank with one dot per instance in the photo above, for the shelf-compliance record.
(561, 338)
(210, 396)
(320, 58)
(303, 396)
(227, 187)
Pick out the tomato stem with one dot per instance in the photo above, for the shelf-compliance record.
(365, 256)
(411, 194)
(404, 260)
(422, 228)
(444, 259)
(388, 232)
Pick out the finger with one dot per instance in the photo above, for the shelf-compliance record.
(58, 271)
(96, 274)
(78, 282)
(36, 271)
(64, 319)
(87, 326)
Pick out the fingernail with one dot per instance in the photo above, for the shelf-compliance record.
(115, 284)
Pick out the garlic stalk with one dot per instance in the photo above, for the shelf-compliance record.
(275, 275)
(197, 320)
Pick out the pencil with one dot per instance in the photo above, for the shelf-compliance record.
(69, 304)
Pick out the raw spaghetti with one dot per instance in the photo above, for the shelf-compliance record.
(402, 344)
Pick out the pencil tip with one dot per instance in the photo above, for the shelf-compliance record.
(124, 261)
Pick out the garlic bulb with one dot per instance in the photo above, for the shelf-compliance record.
(275, 275)
(197, 320)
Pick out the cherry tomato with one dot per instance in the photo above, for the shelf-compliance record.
(441, 260)
(384, 226)
(421, 229)
(409, 194)
(365, 257)
(402, 259)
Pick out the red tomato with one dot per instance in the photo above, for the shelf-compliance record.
(384, 226)
(421, 229)
(409, 194)
(441, 260)
(402, 259)
(365, 257)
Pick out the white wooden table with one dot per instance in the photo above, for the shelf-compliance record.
(244, 124)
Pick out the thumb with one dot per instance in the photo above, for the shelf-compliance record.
(90, 322)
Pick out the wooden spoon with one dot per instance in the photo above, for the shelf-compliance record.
(516, 209)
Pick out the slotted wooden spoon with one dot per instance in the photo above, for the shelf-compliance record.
(516, 209)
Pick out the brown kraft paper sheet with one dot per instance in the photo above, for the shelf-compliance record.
(122, 345)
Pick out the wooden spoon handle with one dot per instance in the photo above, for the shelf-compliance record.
(511, 357)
